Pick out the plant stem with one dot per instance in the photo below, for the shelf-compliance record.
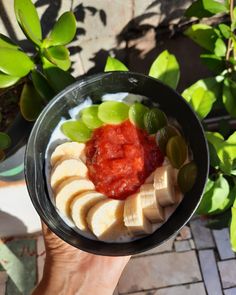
(230, 42)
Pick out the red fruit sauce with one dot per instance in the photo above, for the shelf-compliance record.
(120, 158)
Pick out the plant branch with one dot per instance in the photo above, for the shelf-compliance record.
(230, 42)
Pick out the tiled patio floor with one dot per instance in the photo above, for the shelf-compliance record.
(197, 261)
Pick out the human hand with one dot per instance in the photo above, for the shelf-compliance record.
(71, 271)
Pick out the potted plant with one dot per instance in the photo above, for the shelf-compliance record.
(214, 101)
(29, 81)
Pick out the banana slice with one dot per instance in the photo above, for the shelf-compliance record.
(134, 218)
(151, 208)
(73, 150)
(68, 190)
(150, 178)
(80, 206)
(66, 169)
(105, 220)
(164, 185)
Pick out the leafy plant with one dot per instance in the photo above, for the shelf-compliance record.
(42, 74)
(206, 95)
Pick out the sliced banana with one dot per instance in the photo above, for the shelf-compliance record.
(80, 206)
(67, 168)
(164, 185)
(105, 220)
(150, 178)
(73, 150)
(151, 208)
(68, 190)
(134, 218)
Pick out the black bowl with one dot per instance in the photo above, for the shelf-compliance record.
(95, 86)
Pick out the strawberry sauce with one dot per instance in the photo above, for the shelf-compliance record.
(120, 158)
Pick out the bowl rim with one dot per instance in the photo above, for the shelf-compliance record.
(80, 82)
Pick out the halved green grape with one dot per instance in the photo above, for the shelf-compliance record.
(136, 114)
(90, 117)
(163, 136)
(176, 151)
(187, 176)
(76, 131)
(113, 112)
(154, 120)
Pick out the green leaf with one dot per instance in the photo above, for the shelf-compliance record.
(15, 63)
(31, 104)
(28, 20)
(203, 35)
(197, 9)
(57, 78)
(211, 84)
(5, 141)
(214, 6)
(76, 131)
(7, 80)
(233, 229)
(229, 96)
(220, 48)
(214, 159)
(226, 150)
(213, 62)
(63, 31)
(216, 197)
(42, 86)
(225, 30)
(7, 42)
(58, 55)
(202, 102)
(166, 68)
(219, 221)
(114, 64)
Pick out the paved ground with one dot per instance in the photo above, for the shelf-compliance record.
(197, 261)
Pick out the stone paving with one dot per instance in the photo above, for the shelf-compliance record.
(185, 265)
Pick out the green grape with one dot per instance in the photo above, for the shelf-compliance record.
(90, 117)
(176, 151)
(113, 112)
(136, 114)
(154, 120)
(163, 136)
(76, 131)
(187, 176)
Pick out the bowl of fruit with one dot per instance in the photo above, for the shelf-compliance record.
(116, 163)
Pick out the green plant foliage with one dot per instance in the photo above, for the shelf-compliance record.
(7, 80)
(225, 149)
(225, 30)
(7, 42)
(59, 56)
(220, 221)
(197, 9)
(63, 31)
(213, 62)
(229, 96)
(113, 64)
(5, 141)
(203, 35)
(57, 78)
(215, 7)
(28, 20)
(233, 228)
(15, 63)
(31, 104)
(216, 197)
(220, 48)
(211, 84)
(42, 86)
(202, 101)
(166, 68)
